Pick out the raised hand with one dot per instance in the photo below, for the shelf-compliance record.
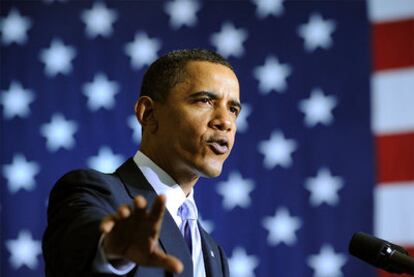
(133, 232)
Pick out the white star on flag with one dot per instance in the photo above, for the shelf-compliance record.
(24, 250)
(182, 12)
(20, 174)
(59, 133)
(327, 263)
(242, 124)
(277, 150)
(317, 32)
(235, 191)
(99, 20)
(272, 75)
(101, 92)
(106, 161)
(16, 101)
(282, 227)
(241, 264)
(265, 8)
(142, 50)
(14, 28)
(318, 108)
(133, 123)
(229, 41)
(57, 58)
(324, 188)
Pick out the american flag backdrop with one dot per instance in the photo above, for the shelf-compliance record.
(325, 143)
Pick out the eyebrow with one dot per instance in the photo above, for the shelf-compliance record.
(211, 95)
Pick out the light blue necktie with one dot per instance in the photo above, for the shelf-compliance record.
(189, 229)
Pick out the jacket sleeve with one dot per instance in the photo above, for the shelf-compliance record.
(77, 204)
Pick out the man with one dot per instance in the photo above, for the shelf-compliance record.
(188, 107)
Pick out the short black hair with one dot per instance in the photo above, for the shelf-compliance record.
(167, 71)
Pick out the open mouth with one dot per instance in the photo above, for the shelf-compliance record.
(219, 146)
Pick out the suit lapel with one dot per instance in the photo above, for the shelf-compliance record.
(171, 239)
(211, 255)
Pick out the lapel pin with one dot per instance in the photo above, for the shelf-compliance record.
(212, 253)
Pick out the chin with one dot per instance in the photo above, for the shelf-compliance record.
(213, 174)
(211, 170)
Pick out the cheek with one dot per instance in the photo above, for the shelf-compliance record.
(191, 134)
(194, 124)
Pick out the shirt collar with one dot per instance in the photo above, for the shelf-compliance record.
(164, 184)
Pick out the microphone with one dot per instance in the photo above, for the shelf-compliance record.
(381, 254)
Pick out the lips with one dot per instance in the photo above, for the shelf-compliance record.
(219, 146)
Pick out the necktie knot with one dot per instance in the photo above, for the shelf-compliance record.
(187, 211)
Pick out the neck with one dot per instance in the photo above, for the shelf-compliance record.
(187, 186)
(185, 178)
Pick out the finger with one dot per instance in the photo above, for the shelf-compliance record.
(156, 215)
(107, 224)
(140, 202)
(124, 211)
(160, 259)
(140, 207)
(158, 208)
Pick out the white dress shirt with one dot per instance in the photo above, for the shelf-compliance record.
(164, 184)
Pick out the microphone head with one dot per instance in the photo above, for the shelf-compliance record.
(374, 251)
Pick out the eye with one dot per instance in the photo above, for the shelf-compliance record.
(234, 110)
(204, 100)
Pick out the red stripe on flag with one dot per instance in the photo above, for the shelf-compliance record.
(386, 274)
(395, 157)
(393, 44)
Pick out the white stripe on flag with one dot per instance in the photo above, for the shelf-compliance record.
(390, 10)
(393, 101)
(394, 212)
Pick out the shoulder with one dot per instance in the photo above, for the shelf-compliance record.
(86, 176)
(88, 184)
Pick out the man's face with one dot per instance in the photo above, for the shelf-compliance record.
(197, 122)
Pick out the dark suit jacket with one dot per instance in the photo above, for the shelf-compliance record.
(80, 200)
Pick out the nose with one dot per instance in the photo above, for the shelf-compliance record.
(222, 120)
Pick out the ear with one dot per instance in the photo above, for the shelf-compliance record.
(145, 113)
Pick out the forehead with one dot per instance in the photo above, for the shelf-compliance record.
(210, 76)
